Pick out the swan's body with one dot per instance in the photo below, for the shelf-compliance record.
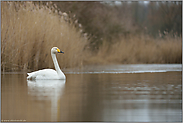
(49, 73)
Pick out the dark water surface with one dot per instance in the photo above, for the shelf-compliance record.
(145, 97)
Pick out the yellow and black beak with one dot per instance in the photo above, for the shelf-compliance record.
(59, 51)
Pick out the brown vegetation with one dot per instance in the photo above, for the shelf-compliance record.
(30, 30)
(106, 20)
(140, 50)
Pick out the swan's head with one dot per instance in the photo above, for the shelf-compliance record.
(55, 50)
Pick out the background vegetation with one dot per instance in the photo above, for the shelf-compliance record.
(107, 21)
(89, 33)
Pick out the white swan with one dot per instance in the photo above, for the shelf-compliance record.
(49, 73)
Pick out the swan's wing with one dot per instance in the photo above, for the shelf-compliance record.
(43, 74)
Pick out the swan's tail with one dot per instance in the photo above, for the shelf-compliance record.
(29, 77)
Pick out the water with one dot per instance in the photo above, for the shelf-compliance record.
(141, 93)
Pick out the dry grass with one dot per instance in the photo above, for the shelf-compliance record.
(139, 50)
(30, 31)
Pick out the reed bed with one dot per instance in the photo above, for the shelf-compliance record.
(139, 50)
(29, 31)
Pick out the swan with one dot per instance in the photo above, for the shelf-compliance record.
(49, 73)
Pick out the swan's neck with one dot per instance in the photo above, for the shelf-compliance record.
(56, 63)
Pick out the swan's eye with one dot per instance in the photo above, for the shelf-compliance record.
(58, 50)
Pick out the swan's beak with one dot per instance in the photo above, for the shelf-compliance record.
(59, 51)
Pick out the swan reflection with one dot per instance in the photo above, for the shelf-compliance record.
(45, 89)
(51, 90)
